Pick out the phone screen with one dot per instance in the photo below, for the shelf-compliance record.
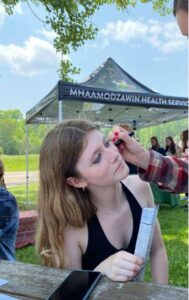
(77, 286)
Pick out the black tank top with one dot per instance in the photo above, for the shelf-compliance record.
(99, 248)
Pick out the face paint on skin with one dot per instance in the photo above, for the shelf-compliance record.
(119, 142)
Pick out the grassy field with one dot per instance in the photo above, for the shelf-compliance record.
(15, 163)
(20, 194)
(174, 227)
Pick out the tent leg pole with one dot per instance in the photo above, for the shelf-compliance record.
(27, 171)
(60, 112)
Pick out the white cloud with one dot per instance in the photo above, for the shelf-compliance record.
(18, 9)
(48, 34)
(99, 46)
(125, 31)
(163, 36)
(35, 57)
(3, 14)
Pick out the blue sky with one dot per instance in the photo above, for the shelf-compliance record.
(148, 46)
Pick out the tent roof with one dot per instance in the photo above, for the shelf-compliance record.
(109, 96)
(112, 77)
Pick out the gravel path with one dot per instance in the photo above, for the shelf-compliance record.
(19, 178)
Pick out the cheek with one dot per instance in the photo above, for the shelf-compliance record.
(102, 170)
(95, 173)
(99, 173)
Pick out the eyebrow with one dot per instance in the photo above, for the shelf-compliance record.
(93, 154)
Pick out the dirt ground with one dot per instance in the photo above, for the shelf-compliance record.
(19, 178)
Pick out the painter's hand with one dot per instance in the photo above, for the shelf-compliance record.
(130, 149)
(121, 266)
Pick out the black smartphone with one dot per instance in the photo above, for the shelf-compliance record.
(77, 286)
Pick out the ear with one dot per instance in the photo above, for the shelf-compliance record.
(76, 182)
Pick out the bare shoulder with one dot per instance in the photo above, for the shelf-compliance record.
(76, 237)
(74, 247)
(133, 182)
(140, 189)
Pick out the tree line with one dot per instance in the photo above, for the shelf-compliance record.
(13, 133)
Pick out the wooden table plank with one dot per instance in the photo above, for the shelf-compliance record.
(28, 282)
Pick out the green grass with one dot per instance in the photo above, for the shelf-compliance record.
(20, 193)
(16, 163)
(28, 255)
(174, 227)
(174, 224)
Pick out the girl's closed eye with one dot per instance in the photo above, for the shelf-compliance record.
(97, 159)
(107, 144)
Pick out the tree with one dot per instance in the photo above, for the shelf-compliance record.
(71, 21)
(9, 141)
(11, 114)
(13, 133)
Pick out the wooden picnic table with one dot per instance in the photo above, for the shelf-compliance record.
(26, 281)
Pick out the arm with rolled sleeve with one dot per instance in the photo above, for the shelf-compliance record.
(171, 172)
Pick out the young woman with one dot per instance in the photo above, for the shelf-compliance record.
(89, 214)
(170, 148)
(156, 146)
(9, 219)
(184, 147)
(2, 181)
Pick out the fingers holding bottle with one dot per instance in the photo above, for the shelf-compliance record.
(121, 266)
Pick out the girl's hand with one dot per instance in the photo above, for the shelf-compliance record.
(121, 266)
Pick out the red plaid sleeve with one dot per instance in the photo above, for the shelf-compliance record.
(171, 172)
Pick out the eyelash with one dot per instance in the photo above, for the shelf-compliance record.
(107, 143)
(98, 159)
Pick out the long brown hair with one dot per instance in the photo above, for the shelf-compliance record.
(60, 204)
(157, 145)
(1, 169)
(184, 137)
(2, 182)
(172, 147)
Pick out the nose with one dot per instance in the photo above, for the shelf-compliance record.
(111, 155)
